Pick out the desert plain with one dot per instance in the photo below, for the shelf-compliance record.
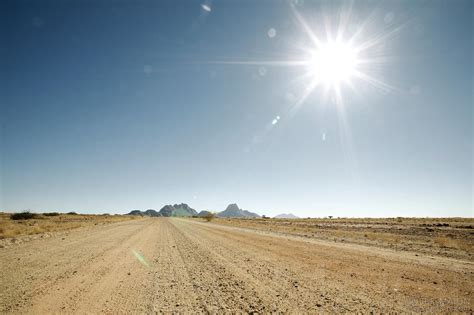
(120, 264)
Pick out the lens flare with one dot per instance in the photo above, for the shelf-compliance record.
(206, 7)
(140, 258)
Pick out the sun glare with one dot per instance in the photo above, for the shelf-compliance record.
(333, 63)
(336, 54)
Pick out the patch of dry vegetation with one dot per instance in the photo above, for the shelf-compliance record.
(209, 216)
(19, 224)
(449, 242)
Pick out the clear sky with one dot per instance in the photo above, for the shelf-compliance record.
(109, 106)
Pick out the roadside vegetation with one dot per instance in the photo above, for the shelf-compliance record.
(28, 223)
(51, 214)
(26, 215)
(209, 216)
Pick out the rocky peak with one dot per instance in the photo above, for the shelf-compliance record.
(232, 207)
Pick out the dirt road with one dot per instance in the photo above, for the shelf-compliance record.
(168, 264)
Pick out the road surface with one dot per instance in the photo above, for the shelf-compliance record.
(183, 265)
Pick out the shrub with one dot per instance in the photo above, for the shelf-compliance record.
(72, 213)
(23, 216)
(209, 216)
(51, 214)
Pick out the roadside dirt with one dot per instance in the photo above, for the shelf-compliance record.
(14, 232)
(182, 265)
(448, 237)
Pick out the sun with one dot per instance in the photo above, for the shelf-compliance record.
(333, 63)
(336, 55)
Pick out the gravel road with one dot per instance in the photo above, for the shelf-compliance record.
(183, 265)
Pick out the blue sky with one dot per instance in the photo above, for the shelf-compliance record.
(109, 106)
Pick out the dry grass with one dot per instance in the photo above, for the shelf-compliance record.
(448, 242)
(52, 223)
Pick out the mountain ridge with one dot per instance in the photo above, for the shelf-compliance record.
(233, 211)
(176, 210)
(184, 210)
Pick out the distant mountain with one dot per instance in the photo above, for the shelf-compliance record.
(181, 210)
(167, 211)
(204, 213)
(286, 216)
(233, 211)
(152, 213)
(149, 212)
(135, 212)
